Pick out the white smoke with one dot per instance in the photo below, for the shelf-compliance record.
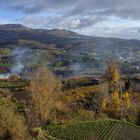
(4, 76)
(20, 57)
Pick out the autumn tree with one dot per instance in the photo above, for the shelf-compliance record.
(103, 104)
(126, 102)
(114, 104)
(92, 102)
(13, 77)
(104, 95)
(113, 72)
(44, 97)
(12, 124)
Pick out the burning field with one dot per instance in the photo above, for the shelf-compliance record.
(18, 63)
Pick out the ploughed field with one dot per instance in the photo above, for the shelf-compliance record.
(98, 130)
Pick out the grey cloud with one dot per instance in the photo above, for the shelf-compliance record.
(51, 22)
(75, 14)
(72, 23)
(90, 21)
(75, 8)
(122, 8)
(126, 33)
(34, 6)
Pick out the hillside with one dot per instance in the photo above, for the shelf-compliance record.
(69, 53)
(98, 130)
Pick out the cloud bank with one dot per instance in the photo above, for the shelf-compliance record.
(118, 18)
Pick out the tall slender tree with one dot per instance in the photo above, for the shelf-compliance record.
(44, 96)
(113, 72)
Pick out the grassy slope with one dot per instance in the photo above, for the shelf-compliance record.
(12, 84)
(99, 130)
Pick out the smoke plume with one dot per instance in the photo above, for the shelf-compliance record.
(20, 55)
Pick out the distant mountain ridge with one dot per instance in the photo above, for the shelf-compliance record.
(17, 31)
(68, 50)
(54, 32)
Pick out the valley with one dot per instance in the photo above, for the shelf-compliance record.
(68, 53)
(67, 86)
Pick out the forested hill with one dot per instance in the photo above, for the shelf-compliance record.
(14, 32)
(69, 52)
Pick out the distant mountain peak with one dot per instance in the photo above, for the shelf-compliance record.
(53, 32)
(13, 26)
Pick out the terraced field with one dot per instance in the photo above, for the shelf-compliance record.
(6, 63)
(99, 130)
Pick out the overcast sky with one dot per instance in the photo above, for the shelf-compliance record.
(108, 18)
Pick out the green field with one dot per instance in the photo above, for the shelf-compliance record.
(14, 84)
(98, 130)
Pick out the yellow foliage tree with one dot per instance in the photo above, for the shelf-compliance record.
(113, 72)
(115, 104)
(12, 124)
(126, 101)
(44, 97)
(103, 104)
